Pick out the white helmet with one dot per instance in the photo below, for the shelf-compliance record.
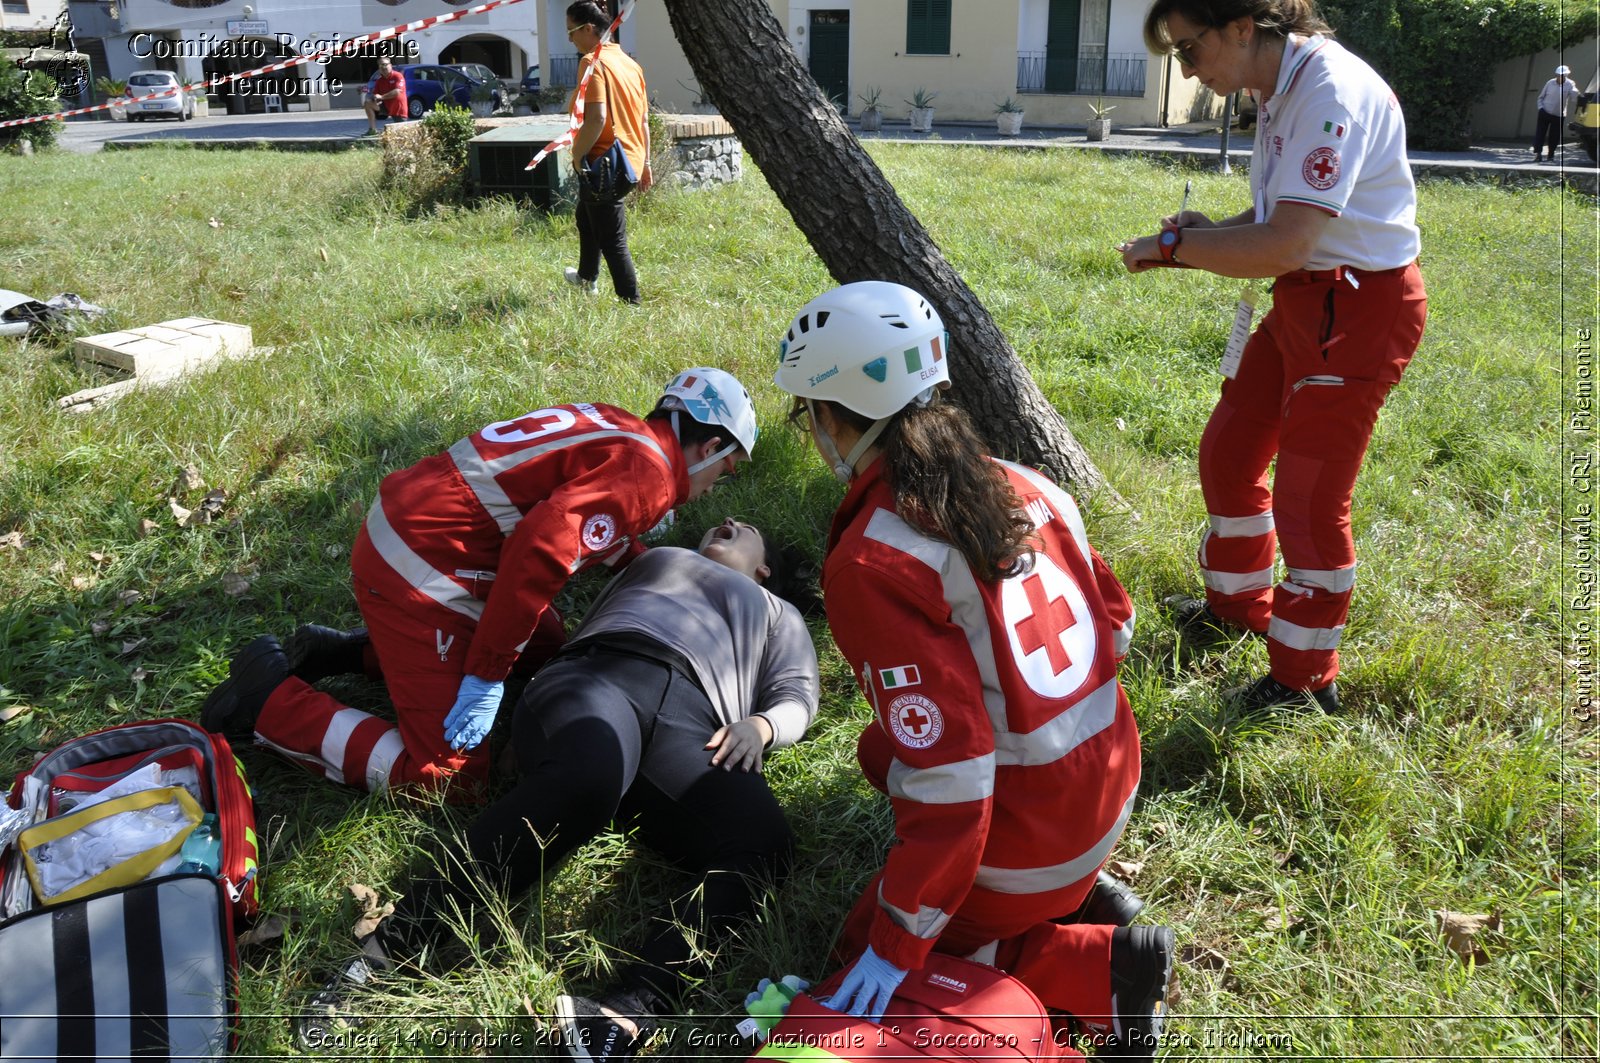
(873, 347)
(715, 397)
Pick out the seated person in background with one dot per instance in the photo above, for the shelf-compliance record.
(656, 715)
(388, 96)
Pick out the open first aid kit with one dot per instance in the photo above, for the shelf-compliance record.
(126, 856)
(951, 1009)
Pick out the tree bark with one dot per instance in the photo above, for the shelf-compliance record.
(858, 226)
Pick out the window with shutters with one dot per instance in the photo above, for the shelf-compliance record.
(927, 27)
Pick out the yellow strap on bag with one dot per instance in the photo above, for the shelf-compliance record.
(126, 873)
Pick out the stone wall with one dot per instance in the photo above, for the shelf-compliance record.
(707, 151)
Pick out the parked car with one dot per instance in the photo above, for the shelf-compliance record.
(1586, 119)
(179, 105)
(530, 81)
(428, 83)
(485, 75)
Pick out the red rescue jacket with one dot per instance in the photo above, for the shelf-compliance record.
(1002, 738)
(494, 527)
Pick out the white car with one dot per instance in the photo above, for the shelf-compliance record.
(178, 105)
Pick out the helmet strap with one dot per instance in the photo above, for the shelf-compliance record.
(844, 468)
(714, 458)
(710, 461)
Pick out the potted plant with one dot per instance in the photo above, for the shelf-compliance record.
(1100, 124)
(921, 104)
(202, 104)
(526, 103)
(871, 117)
(112, 90)
(1008, 117)
(480, 99)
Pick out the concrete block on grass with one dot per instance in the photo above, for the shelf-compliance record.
(164, 350)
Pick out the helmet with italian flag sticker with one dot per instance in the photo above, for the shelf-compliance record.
(874, 347)
(714, 397)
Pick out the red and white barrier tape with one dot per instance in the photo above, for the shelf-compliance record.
(310, 57)
(583, 84)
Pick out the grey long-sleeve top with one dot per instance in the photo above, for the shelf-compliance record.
(750, 649)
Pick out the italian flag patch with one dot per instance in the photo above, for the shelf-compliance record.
(1333, 127)
(915, 363)
(904, 676)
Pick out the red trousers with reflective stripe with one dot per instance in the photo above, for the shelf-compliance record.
(1308, 391)
(420, 660)
(1068, 966)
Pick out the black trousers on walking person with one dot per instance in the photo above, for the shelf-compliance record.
(604, 735)
(603, 231)
(1547, 131)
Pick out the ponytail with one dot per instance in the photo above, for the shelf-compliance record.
(946, 486)
(590, 12)
(1274, 18)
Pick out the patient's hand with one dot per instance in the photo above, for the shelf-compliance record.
(739, 745)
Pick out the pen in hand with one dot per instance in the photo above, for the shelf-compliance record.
(1188, 186)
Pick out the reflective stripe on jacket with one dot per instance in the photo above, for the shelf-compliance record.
(494, 527)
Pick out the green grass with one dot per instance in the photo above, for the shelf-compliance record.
(1311, 853)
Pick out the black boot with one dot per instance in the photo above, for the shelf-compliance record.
(1266, 694)
(334, 1009)
(253, 674)
(316, 652)
(611, 1025)
(1111, 902)
(1196, 622)
(1141, 965)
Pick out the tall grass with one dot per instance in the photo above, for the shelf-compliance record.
(1310, 853)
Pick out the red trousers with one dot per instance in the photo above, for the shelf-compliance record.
(1068, 966)
(419, 657)
(1308, 391)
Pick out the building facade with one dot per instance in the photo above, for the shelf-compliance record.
(30, 14)
(201, 39)
(1055, 57)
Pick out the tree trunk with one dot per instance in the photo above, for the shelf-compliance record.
(856, 223)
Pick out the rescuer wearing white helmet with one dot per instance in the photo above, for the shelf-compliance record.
(985, 633)
(455, 571)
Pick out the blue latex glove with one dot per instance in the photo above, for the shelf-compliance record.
(473, 713)
(866, 990)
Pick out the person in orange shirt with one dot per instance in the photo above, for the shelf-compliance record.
(615, 111)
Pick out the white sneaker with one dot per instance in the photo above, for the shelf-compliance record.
(592, 287)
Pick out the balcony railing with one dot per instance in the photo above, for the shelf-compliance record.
(1119, 74)
(563, 72)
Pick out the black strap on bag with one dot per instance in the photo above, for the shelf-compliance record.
(610, 177)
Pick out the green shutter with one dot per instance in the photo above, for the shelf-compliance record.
(927, 27)
(1061, 47)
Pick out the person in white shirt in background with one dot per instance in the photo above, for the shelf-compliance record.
(1554, 99)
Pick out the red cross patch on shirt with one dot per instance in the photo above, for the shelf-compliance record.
(915, 721)
(1321, 169)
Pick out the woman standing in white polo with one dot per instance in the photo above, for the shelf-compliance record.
(1334, 223)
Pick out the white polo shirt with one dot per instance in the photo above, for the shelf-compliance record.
(1332, 137)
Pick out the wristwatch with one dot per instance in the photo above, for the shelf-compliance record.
(1167, 243)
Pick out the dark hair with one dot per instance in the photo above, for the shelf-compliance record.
(945, 486)
(1275, 18)
(792, 576)
(590, 12)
